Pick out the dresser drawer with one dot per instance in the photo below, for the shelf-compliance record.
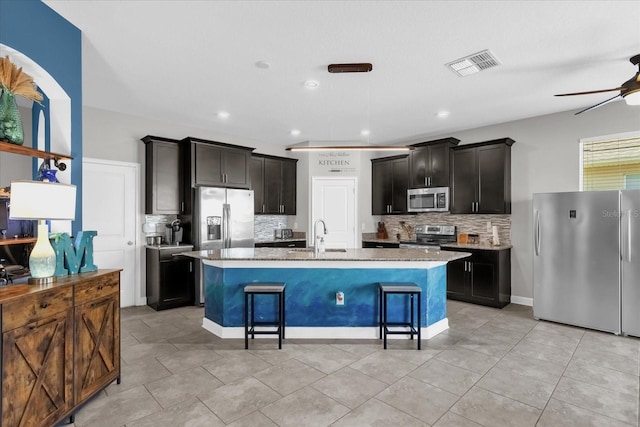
(37, 306)
(97, 288)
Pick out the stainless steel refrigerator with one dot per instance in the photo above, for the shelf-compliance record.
(223, 218)
(586, 259)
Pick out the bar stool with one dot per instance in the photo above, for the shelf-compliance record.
(272, 288)
(410, 289)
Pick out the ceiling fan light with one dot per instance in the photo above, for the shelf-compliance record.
(632, 98)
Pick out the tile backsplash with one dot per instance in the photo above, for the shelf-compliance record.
(475, 223)
(263, 226)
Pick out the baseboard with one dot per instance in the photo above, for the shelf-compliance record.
(522, 300)
(340, 332)
(142, 301)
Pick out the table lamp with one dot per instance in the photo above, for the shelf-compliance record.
(36, 200)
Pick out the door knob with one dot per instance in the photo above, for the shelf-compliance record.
(129, 243)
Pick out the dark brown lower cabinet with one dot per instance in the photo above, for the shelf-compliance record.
(483, 278)
(60, 346)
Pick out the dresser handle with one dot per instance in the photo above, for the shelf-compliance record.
(44, 304)
(100, 287)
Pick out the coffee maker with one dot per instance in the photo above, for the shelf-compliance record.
(173, 234)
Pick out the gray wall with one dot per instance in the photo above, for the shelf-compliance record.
(545, 158)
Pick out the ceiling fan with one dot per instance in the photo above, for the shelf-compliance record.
(629, 90)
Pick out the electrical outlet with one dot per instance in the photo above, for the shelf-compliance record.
(295, 225)
(488, 226)
(363, 227)
(339, 298)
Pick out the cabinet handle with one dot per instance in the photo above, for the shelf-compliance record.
(426, 180)
(429, 181)
(190, 267)
(181, 206)
(44, 304)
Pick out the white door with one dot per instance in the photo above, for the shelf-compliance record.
(334, 201)
(110, 206)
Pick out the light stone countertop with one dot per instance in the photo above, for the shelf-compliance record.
(478, 246)
(299, 254)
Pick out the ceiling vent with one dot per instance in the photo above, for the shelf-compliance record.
(473, 63)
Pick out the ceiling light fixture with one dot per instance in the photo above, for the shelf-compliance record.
(350, 148)
(223, 115)
(365, 132)
(295, 132)
(311, 84)
(442, 114)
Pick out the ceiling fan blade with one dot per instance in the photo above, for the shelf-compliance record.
(598, 105)
(588, 92)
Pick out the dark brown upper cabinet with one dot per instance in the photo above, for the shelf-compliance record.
(217, 164)
(481, 177)
(273, 180)
(389, 185)
(429, 163)
(163, 176)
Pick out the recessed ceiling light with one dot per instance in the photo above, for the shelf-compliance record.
(263, 64)
(311, 84)
(295, 132)
(364, 132)
(442, 114)
(223, 115)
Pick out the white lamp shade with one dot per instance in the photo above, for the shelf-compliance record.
(633, 98)
(42, 200)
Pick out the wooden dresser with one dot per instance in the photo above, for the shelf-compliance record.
(60, 346)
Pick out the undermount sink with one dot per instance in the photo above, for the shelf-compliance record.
(311, 250)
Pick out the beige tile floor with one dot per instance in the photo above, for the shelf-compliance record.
(491, 368)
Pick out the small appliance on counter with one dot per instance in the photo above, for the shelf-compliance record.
(173, 233)
(282, 233)
(431, 237)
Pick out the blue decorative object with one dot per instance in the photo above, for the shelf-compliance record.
(45, 173)
(74, 258)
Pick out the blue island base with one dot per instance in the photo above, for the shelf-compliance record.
(311, 304)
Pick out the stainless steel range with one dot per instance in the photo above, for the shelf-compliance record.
(431, 237)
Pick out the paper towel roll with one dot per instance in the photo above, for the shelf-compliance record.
(495, 239)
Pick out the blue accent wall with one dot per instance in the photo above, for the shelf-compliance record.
(31, 27)
(310, 295)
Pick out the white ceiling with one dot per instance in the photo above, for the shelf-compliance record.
(184, 61)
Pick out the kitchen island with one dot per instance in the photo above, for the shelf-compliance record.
(312, 283)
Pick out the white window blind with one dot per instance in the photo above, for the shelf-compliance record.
(611, 164)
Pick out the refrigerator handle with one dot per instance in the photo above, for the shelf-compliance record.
(228, 226)
(629, 235)
(225, 226)
(537, 234)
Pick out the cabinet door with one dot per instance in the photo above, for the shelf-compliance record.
(289, 187)
(439, 165)
(176, 283)
(97, 348)
(381, 187)
(207, 164)
(163, 178)
(420, 165)
(272, 186)
(400, 185)
(457, 286)
(464, 180)
(484, 283)
(236, 168)
(257, 184)
(491, 179)
(37, 371)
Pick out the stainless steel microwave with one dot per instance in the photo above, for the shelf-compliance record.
(435, 199)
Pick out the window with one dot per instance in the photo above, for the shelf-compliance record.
(610, 163)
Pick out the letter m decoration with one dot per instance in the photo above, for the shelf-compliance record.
(76, 257)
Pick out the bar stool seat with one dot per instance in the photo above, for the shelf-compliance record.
(262, 288)
(413, 291)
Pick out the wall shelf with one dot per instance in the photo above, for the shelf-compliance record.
(27, 151)
(19, 241)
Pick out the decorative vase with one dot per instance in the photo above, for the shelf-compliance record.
(10, 121)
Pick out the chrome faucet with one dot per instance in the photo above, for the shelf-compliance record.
(316, 246)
